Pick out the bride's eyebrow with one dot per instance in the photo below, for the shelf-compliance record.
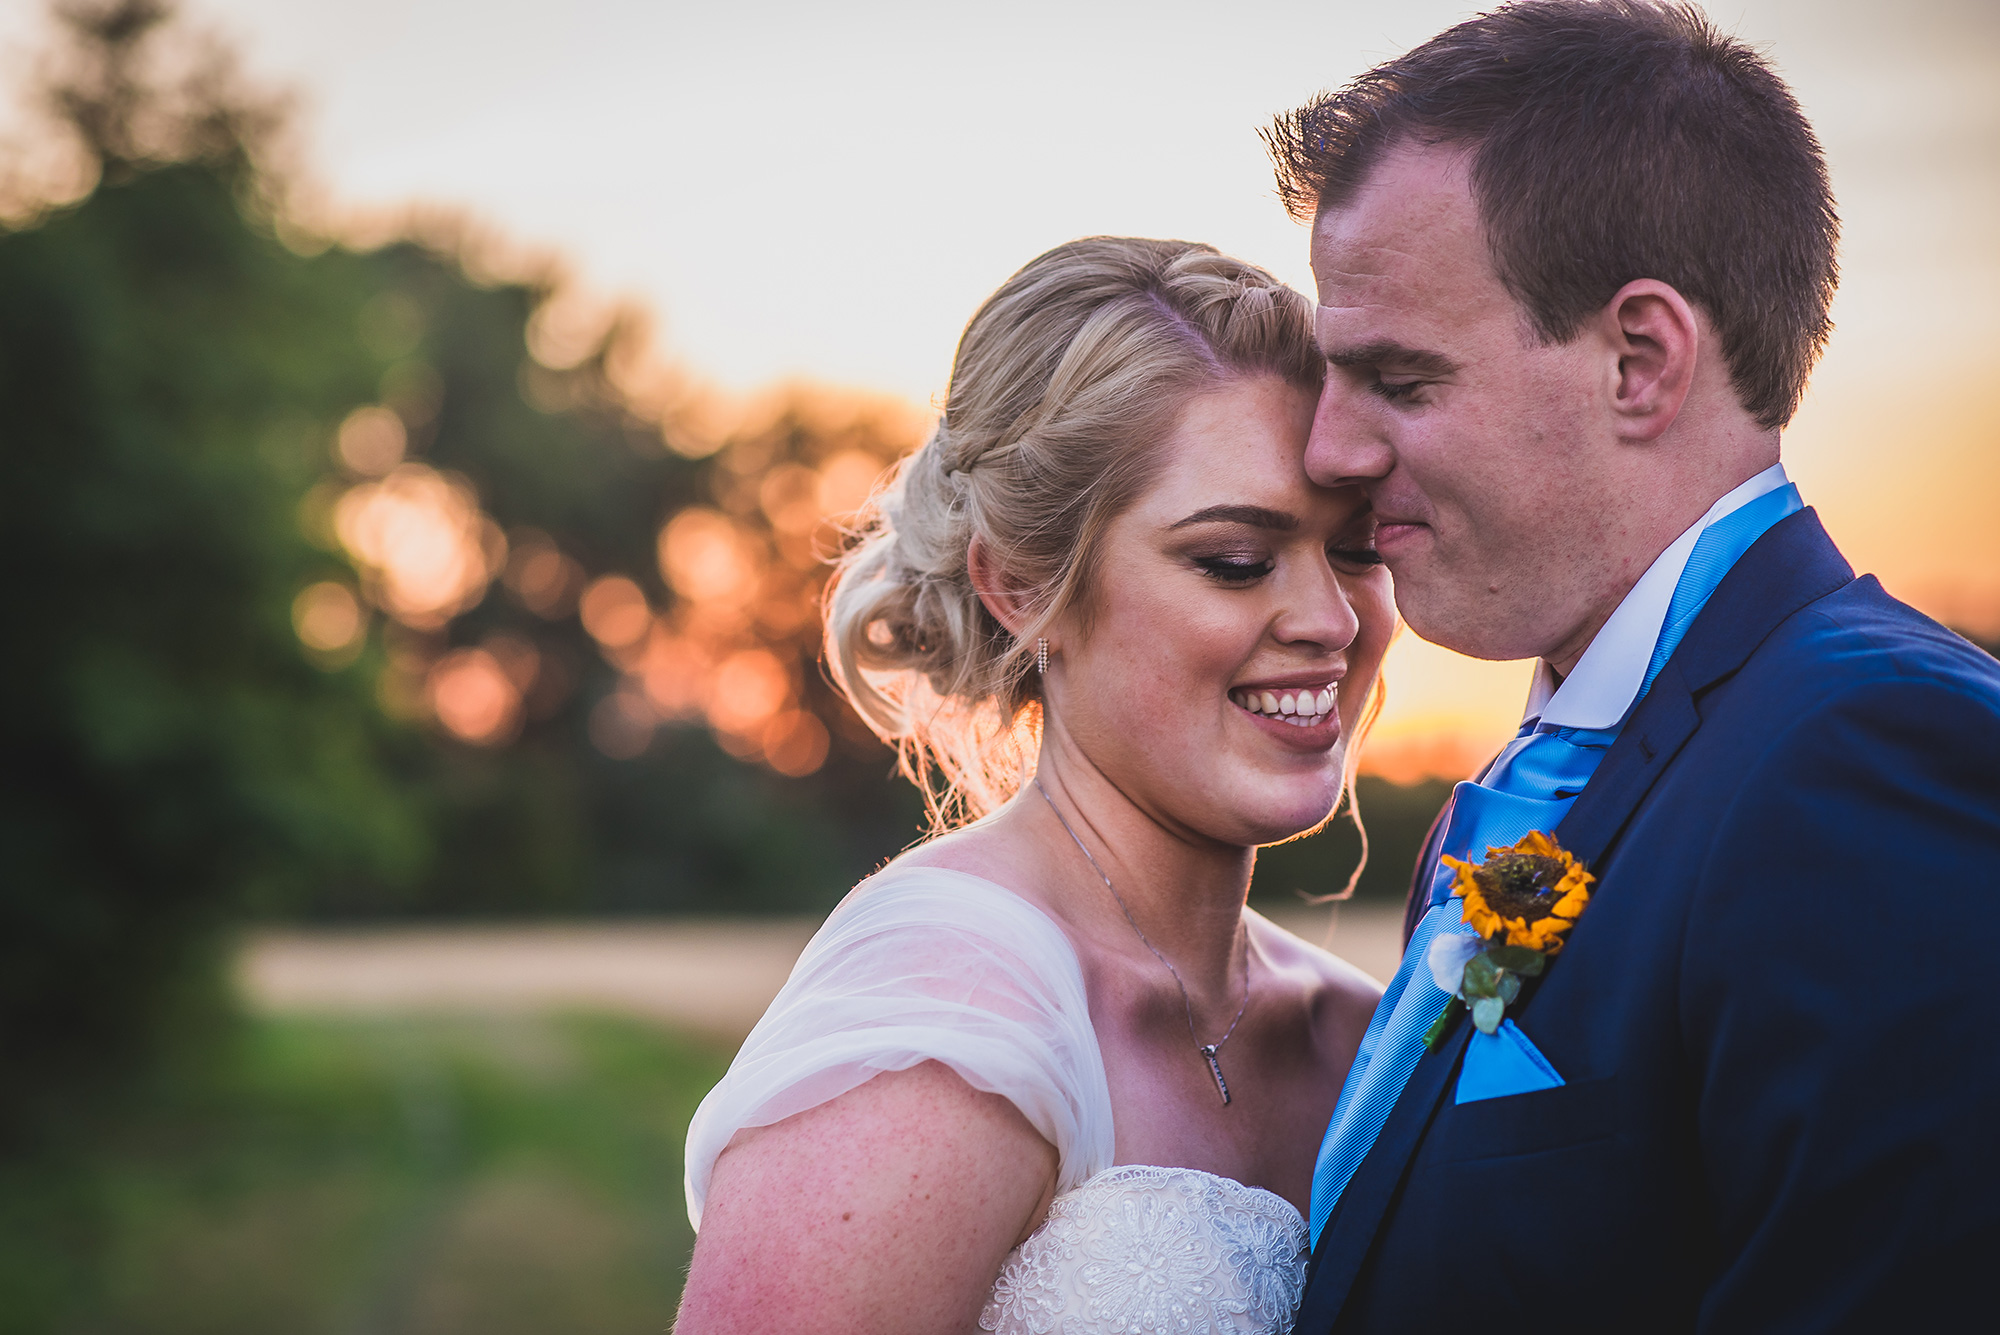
(1256, 516)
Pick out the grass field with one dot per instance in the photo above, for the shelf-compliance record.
(392, 1176)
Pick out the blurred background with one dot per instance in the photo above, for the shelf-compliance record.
(425, 427)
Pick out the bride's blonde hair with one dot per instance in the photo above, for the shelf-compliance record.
(1066, 380)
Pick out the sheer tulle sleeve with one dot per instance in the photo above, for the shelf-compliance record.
(924, 965)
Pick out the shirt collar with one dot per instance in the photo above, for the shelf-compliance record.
(1601, 688)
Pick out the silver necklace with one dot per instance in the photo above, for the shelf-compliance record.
(1207, 1050)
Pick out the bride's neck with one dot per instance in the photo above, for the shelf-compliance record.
(1186, 892)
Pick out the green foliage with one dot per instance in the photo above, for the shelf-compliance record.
(436, 1176)
(168, 753)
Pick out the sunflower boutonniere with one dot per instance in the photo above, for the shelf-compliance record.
(1521, 902)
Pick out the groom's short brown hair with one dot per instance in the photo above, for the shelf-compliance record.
(1611, 140)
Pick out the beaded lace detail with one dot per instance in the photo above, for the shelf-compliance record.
(1137, 1250)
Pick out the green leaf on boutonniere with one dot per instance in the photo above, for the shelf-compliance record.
(1517, 959)
(1510, 987)
(1487, 1013)
(1481, 978)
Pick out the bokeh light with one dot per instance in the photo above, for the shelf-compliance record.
(426, 549)
(372, 440)
(538, 573)
(674, 672)
(615, 613)
(330, 622)
(845, 482)
(750, 687)
(473, 696)
(705, 559)
(795, 743)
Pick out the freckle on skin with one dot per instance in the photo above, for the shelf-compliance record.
(847, 1216)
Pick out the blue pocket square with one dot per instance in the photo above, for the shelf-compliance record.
(1503, 1063)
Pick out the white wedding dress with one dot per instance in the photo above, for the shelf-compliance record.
(930, 965)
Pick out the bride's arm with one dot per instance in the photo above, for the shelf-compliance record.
(888, 1209)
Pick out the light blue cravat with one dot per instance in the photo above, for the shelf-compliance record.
(1531, 786)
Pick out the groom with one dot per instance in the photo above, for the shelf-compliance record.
(1574, 261)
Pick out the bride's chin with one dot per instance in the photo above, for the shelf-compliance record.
(1273, 822)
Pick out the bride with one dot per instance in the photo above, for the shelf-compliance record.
(1046, 1071)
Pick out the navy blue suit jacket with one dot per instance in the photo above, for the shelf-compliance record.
(1778, 1019)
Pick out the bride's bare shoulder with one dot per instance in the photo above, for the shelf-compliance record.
(989, 849)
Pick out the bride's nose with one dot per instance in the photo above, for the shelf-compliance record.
(1315, 610)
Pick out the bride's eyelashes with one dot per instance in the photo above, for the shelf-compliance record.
(1238, 569)
(1362, 558)
(1353, 551)
(1234, 568)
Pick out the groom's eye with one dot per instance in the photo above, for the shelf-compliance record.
(1396, 391)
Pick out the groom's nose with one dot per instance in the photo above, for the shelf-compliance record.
(1344, 448)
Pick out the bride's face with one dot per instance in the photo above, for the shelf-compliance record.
(1237, 619)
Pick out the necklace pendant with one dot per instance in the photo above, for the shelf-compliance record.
(1215, 1069)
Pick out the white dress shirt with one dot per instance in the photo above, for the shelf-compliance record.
(1600, 690)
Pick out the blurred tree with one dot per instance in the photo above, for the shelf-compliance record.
(224, 455)
(166, 751)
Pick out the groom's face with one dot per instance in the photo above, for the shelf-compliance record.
(1481, 451)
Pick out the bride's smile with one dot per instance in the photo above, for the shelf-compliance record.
(1274, 700)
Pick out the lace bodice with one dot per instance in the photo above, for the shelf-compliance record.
(924, 965)
(1141, 1249)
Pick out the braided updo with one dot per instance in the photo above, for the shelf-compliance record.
(1065, 381)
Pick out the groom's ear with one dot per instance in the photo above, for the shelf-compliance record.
(1656, 338)
(1007, 603)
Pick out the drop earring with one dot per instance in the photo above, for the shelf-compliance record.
(1041, 655)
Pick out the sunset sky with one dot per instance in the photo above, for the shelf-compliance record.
(827, 192)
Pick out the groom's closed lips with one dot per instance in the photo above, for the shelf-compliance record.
(1392, 532)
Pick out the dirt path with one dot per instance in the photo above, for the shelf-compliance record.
(715, 977)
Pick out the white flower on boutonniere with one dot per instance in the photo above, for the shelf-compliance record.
(1449, 955)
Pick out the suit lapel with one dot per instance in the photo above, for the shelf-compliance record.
(1790, 566)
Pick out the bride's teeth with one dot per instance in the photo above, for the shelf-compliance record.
(1325, 702)
(1269, 701)
(1286, 705)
